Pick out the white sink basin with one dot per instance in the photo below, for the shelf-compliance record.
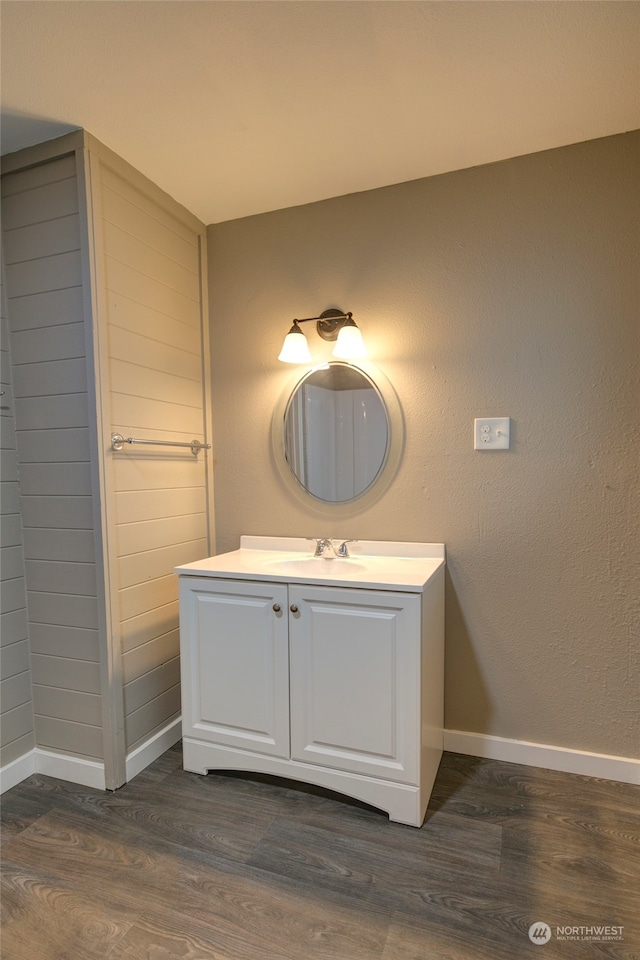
(316, 566)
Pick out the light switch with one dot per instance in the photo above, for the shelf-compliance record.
(491, 433)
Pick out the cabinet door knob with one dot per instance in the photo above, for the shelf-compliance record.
(293, 608)
(276, 608)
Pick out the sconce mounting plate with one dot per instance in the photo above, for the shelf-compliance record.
(329, 324)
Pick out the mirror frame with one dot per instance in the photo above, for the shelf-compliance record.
(394, 454)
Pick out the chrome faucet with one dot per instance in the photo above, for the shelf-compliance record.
(343, 550)
(325, 547)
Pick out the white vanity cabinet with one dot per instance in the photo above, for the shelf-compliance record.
(331, 681)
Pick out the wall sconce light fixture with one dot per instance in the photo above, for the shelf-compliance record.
(330, 325)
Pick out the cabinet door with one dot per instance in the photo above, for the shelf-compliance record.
(235, 663)
(355, 680)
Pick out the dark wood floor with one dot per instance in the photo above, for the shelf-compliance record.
(175, 865)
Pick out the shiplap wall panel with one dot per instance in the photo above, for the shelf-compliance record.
(55, 609)
(13, 626)
(58, 512)
(154, 715)
(49, 379)
(54, 734)
(65, 673)
(55, 272)
(50, 446)
(154, 309)
(134, 378)
(138, 505)
(73, 643)
(154, 213)
(145, 627)
(12, 595)
(63, 168)
(143, 659)
(127, 248)
(150, 685)
(50, 343)
(46, 316)
(128, 316)
(5, 362)
(12, 562)
(7, 436)
(16, 717)
(56, 545)
(167, 358)
(10, 498)
(15, 659)
(14, 741)
(130, 211)
(59, 577)
(133, 474)
(50, 309)
(131, 283)
(15, 691)
(152, 593)
(150, 534)
(9, 464)
(42, 239)
(42, 413)
(137, 567)
(162, 416)
(59, 479)
(31, 205)
(67, 705)
(10, 530)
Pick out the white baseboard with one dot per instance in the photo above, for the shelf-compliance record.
(18, 770)
(153, 748)
(603, 766)
(90, 773)
(87, 773)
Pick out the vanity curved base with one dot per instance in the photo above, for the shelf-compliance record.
(404, 803)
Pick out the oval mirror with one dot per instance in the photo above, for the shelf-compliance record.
(336, 433)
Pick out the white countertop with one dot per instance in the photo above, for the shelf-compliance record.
(374, 564)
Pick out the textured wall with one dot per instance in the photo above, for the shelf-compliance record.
(504, 290)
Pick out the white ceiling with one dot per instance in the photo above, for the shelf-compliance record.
(236, 107)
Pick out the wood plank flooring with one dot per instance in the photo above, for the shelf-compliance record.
(175, 866)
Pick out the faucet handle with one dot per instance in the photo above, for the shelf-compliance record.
(321, 543)
(343, 550)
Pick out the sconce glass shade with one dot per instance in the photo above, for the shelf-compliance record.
(295, 348)
(349, 345)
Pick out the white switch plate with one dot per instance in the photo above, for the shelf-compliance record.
(491, 433)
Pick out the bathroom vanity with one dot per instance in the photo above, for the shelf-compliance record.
(327, 671)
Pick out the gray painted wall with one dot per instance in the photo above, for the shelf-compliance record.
(505, 290)
(41, 237)
(16, 727)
